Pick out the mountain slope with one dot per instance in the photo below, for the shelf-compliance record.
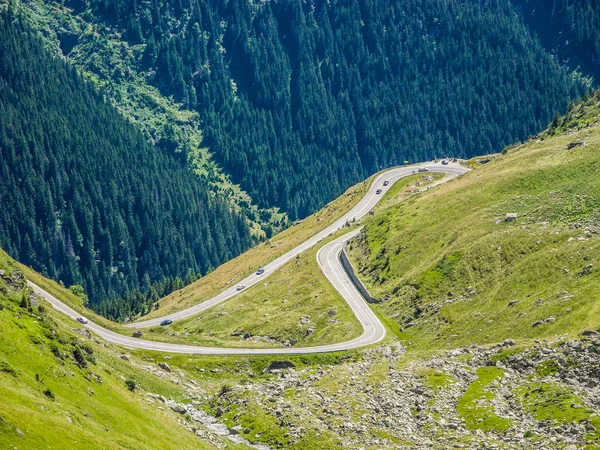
(86, 199)
(61, 389)
(451, 270)
(292, 92)
(531, 387)
(571, 29)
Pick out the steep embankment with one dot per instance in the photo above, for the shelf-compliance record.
(452, 270)
(59, 388)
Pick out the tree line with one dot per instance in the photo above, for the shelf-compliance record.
(86, 199)
(301, 99)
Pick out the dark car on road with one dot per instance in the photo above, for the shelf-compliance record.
(386, 182)
(378, 191)
(260, 271)
(166, 322)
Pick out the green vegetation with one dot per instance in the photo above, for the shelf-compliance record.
(580, 114)
(547, 368)
(86, 199)
(475, 407)
(131, 384)
(434, 379)
(560, 405)
(450, 269)
(355, 81)
(273, 105)
(570, 28)
(296, 305)
(218, 89)
(60, 389)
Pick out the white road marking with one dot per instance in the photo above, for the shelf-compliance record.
(328, 260)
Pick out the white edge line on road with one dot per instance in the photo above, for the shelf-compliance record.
(333, 271)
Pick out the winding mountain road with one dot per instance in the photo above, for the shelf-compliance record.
(329, 261)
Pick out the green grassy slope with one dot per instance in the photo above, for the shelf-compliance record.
(60, 389)
(296, 305)
(451, 271)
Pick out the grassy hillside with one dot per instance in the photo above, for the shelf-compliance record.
(61, 389)
(452, 271)
(529, 395)
(245, 264)
(296, 305)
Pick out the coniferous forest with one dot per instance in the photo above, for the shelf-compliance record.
(298, 100)
(86, 199)
(571, 29)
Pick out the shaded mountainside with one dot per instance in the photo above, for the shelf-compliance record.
(294, 92)
(86, 199)
(451, 270)
(571, 29)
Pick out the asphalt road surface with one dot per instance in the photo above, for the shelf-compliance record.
(329, 262)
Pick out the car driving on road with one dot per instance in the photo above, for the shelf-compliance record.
(241, 287)
(378, 191)
(82, 320)
(260, 271)
(386, 182)
(166, 322)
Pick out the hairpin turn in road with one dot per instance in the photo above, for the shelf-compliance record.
(329, 262)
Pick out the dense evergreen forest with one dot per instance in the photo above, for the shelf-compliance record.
(84, 197)
(570, 28)
(300, 99)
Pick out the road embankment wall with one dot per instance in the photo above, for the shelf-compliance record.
(349, 268)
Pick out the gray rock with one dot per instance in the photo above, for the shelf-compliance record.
(537, 323)
(276, 366)
(164, 366)
(84, 332)
(181, 409)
